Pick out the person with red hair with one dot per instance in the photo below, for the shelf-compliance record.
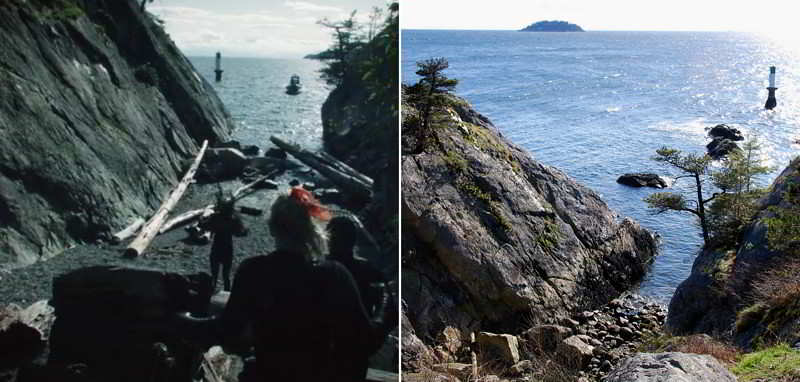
(302, 314)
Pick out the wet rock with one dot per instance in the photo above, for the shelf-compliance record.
(657, 367)
(642, 180)
(501, 347)
(725, 131)
(720, 147)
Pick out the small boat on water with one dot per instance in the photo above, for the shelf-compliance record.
(294, 85)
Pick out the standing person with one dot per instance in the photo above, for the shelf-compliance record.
(376, 294)
(304, 314)
(223, 224)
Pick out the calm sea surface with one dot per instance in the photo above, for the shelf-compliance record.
(598, 104)
(254, 91)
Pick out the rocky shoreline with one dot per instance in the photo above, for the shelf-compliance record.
(584, 346)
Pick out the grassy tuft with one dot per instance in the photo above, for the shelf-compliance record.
(776, 363)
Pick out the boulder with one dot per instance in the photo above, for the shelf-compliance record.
(720, 147)
(499, 347)
(114, 320)
(642, 180)
(670, 367)
(725, 131)
(574, 352)
(546, 337)
(24, 333)
(223, 163)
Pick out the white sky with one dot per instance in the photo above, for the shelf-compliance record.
(254, 28)
(769, 16)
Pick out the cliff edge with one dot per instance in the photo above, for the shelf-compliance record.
(97, 110)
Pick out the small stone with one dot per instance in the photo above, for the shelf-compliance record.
(606, 366)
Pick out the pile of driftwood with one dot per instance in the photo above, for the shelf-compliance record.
(259, 170)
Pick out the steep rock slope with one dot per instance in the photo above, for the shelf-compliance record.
(721, 287)
(97, 110)
(494, 240)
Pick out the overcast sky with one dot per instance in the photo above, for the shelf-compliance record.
(260, 28)
(769, 16)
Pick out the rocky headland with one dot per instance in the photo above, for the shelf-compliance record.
(496, 242)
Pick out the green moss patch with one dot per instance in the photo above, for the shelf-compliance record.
(776, 363)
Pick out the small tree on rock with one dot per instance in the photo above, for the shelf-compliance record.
(346, 36)
(431, 91)
(693, 166)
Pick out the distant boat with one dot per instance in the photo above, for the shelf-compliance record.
(294, 85)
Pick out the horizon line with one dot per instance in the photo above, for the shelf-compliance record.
(585, 30)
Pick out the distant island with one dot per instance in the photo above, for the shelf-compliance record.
(552, 26)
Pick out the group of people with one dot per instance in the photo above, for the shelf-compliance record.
(310, 310)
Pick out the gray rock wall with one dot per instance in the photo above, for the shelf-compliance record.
(493, 239)
(97, 110)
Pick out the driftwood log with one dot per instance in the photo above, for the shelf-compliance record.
(150, 230)
(129, 231)
(345, 177)
(190, 216)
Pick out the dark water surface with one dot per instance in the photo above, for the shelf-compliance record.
(598, 104)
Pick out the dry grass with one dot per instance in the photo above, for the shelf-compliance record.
(774, 299)
(695, 344)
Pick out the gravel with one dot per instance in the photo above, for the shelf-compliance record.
(169, 252)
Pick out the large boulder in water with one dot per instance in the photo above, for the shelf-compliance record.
(494, 239)
(670, 367)
(725, 131)
(720, 147)
(641, 179)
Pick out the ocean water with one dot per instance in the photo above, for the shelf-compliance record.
(254, 91)
(598, 104)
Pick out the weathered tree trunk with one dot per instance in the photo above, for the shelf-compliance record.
(152, 227)
(348, 180)
(128, 231)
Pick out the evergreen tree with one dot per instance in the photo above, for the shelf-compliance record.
(430, 92)
(346, 37)
(693, 166)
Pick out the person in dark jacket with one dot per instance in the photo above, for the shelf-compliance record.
(302, 314)
(376, 294)
(224, 223)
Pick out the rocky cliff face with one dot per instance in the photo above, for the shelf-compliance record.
(97, 110)
(494, 240)
(718, 296)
